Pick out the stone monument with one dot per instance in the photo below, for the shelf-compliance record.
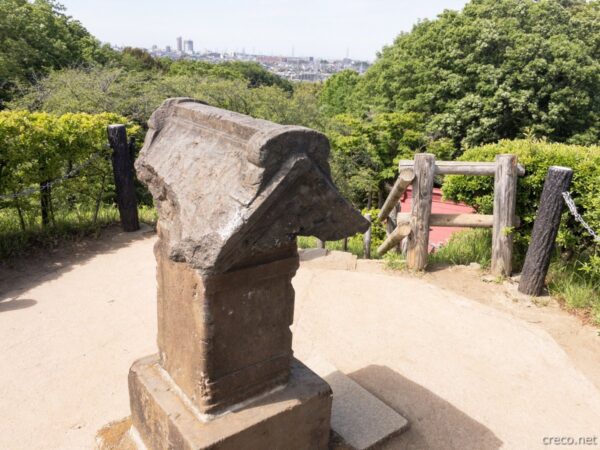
(232, 194)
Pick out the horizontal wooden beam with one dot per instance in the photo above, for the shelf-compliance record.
(461, 167)
(405, 177)
(394, 239)
(456, 220)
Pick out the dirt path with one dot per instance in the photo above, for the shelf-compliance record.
(471, 365)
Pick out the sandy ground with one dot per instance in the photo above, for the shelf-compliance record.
(472, 365)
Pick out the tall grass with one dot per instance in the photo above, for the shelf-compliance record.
(465, 247)
(71, 225)
(576, 288)
(355, 245)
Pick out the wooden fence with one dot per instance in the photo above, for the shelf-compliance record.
(414, 226)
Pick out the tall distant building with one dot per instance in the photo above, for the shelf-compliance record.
(188, 46)
(168, 49)
(180, 44)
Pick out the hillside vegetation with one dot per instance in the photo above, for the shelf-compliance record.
(518, 75)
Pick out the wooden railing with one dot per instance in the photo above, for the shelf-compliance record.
(414, 226)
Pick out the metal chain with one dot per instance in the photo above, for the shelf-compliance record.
(573, 208)
(70, 174)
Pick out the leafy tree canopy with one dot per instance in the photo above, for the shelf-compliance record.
(254, 73)
(337, 93)
(497, 69)
(36, 37)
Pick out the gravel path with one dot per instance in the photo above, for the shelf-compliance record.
(468, 371)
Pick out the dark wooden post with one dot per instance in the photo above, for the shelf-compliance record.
(367, 239)
(320, 243)
(545, 230)
(418, 239)
(505, 202)
(124, 177)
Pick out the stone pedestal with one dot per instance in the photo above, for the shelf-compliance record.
(232, 194)
(226, 338)
(292, 416)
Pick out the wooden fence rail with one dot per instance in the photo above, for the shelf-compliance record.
(414, 226)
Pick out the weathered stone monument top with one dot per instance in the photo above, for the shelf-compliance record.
(232, 194)
(230, 188)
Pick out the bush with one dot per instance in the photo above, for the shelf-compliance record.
(537, 157)
(69, 151)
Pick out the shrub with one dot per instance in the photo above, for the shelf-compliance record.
(40, 148)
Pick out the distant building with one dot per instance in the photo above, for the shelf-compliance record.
(168, 49)
(188, 46)
(180, 44)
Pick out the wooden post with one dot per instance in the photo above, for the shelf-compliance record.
(545, 230)
(367, 239)
(418, 239)
(124, 177)
(505, 202)
(320, 243)
(345, 244)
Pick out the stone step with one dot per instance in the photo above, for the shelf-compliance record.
(319, 258)
(358, 419)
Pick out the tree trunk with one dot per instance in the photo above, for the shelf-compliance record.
(545, 230)
(45, 200)
(99, 199)
(20, 213)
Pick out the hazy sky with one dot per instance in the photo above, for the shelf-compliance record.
(326, 28)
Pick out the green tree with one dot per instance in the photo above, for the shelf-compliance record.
(338, 92)
(36, 37)
(366, 152)
(497, 69)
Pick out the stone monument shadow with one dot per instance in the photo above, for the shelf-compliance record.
(434, 422)
(16, 303)
(26, 272)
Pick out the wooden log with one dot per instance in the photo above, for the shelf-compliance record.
(505, 202)
(390, 223)
(394, 239)
(367, 240)
(405, 177)
(545, 229)
(418, 239)
(461, 167)
(124, 174)
(454, 220)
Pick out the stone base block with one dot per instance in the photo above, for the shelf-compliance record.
(294, 416)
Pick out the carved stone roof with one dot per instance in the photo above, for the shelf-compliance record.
(229, 187)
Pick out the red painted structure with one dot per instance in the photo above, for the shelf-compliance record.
(437, 235)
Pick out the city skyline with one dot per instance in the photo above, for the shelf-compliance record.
(325, 29)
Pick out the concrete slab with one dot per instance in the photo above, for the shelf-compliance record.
(318, 258)
(359, 418)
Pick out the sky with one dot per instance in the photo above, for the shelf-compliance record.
(320, 28)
